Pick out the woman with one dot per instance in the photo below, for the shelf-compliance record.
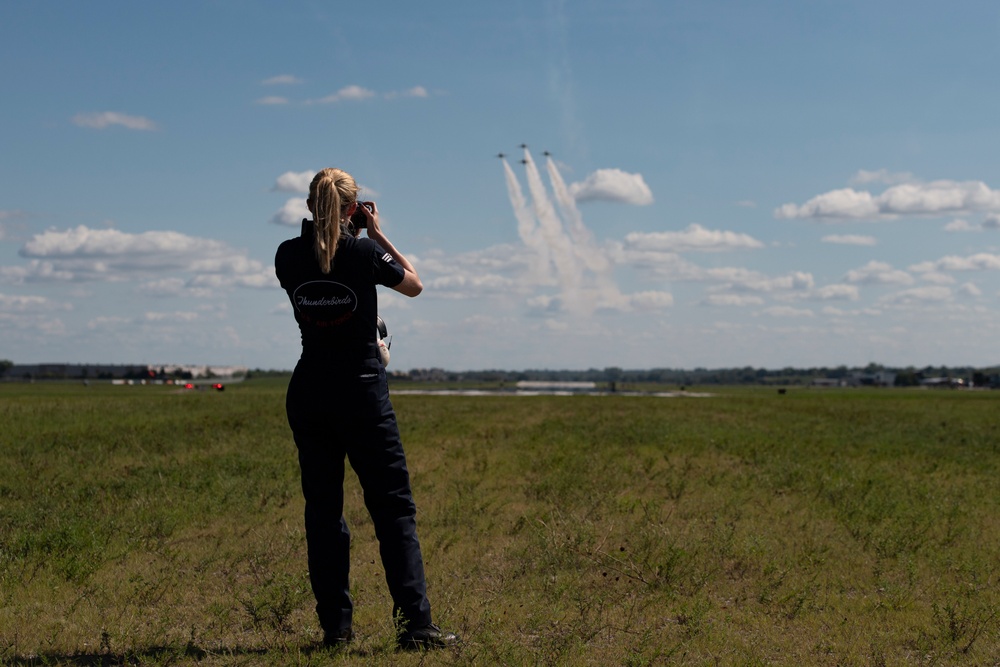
(338, 406)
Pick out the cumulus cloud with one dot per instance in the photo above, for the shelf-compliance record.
(978, 262)
(83, 254)
(836, 292)
(292, 213)
(850, 239)
(788, 312)
(352, 93)
(103, 119)
(613, 185)
(416, 91)
(294, 181)
(28, 326)
(650, 300)
(176, 316)
(935, 198)
(918, 295)
(15, 303)
(281, 80)
(165, 287)
(499, 271)
(970, 289)
(878, 273)
(960, 225)
(694, 238)
(734, 279)
(733, 300)
(272, 100)
(938, 278)
(670, 266)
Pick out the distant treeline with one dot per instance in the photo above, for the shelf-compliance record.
(867, 375)
(870, 374)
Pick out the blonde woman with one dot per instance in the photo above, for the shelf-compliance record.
(338, 407)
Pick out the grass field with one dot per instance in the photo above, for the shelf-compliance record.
(142, 525)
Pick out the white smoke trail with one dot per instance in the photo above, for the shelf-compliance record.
(603, 291)
(568, 270)
(583, 241)
(526, 227)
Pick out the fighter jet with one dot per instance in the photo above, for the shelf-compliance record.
(501, 155)
(525, 161)
(546, 153)
(524, 145)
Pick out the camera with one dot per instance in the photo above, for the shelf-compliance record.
(359, 219)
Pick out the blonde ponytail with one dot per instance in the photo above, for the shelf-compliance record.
(331, 193)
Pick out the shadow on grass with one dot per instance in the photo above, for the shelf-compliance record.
(160, 653)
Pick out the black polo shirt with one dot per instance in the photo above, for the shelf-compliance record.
(336, 311)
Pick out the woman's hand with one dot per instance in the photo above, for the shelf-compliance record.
(410, 285)
(373, 225)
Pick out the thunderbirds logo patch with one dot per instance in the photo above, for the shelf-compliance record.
(324, 302)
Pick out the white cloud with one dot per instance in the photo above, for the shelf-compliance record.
(836, 292)
(34, 271)
(694, 238)
(745, 280)
(162, 288)
(670, 266)
(292, 213)
(103, 119)
(960, 225)
(938, 278)
(651, 300)
(934, 198)
(788, 311)
(83, 254)
(416, 91)
(466, 286)
(498, 271)
(970, 289)
(28, 327)
(733, 300)
(13, 303)
(107, 322)
(979, 262)
(991, 221)
(879, 273)
(281, 80)
(272, 100)
(351, 93)
(176, 316)
(294, 181)
(844, 203)
(850, 239)
(613, 185)
(916, 295)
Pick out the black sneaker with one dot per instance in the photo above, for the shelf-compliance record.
(338, 637)
(427, 637)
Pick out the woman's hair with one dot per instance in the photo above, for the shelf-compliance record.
(331, 193)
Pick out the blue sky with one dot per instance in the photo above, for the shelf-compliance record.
(762, 184)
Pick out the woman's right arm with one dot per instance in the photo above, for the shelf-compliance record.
(410, 285)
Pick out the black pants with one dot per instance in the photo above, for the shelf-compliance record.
(336, 413)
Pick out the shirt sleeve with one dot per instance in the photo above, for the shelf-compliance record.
(388, 271)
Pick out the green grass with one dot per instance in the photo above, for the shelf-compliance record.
(142, 525)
